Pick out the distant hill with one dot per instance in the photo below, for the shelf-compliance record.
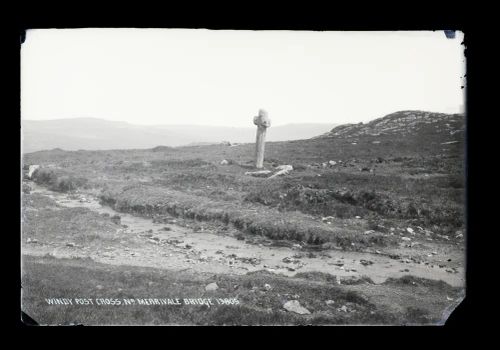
(100, 134)
(415, 124)
(415, 127)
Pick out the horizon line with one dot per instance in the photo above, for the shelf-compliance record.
(225, 126)
(153, 125)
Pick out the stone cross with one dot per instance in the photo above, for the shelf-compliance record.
(263, 122)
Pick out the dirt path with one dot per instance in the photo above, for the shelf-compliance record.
(148, 244)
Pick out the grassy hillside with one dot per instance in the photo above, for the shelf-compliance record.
(365, 229)
(395, 172)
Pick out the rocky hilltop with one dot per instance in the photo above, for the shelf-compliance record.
(404, 123)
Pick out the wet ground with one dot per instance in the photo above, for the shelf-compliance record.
(143, 242)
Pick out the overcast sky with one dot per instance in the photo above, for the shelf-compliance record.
(167, 76)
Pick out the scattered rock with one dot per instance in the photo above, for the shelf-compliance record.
(283, 170)
(406, 238)
(224, 162)
(211, 287)
(284, 167)
(343, 308)
(410, 230)
(84, 200)
(289, 260)
(366, 262)
(260, 173)
(252, 261)
(70, 244)
(329, 302)
(32, 240)
(294, 306)
(173, 241)
(267, 287)
(327, 218)
(32, 170)
(332, 162)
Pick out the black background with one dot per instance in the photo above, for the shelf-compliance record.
(238, 15)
